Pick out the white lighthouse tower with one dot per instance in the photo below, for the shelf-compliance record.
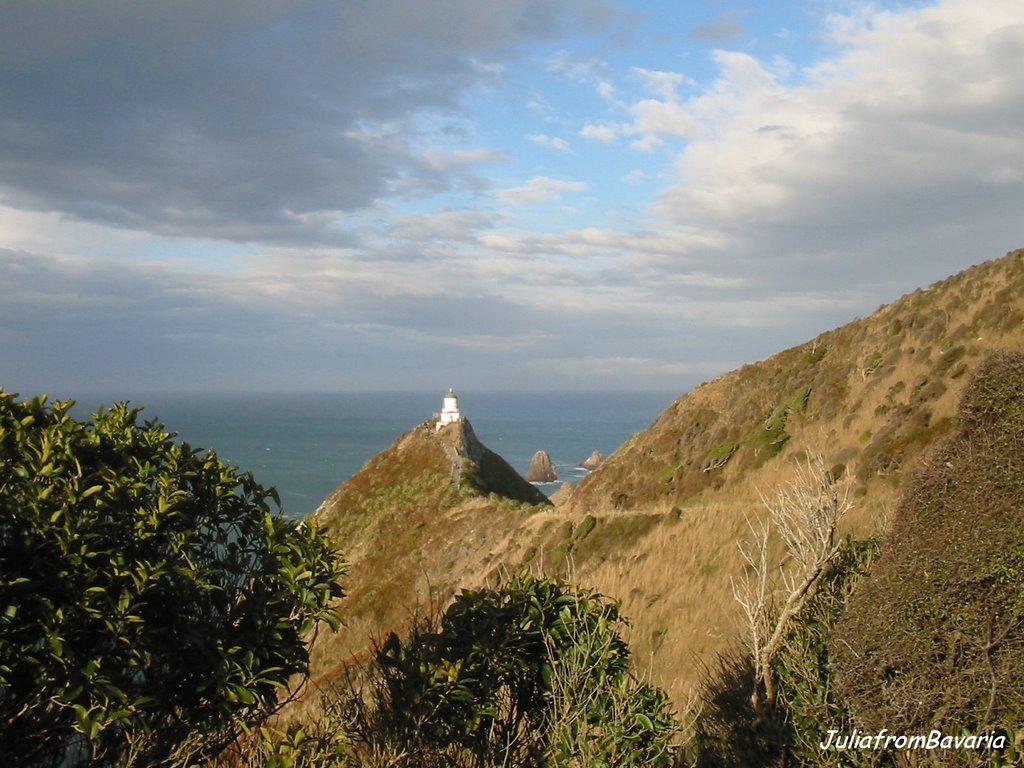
(450, 413)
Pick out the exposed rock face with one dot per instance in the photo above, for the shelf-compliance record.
(561, 495)
(594, 461)
(483, 471)
(542, 470)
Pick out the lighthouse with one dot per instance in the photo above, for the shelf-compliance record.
(450, 413)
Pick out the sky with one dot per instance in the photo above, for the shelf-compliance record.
(314, 195)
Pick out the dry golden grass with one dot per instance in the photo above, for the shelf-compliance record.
(675, 581)
(882, 391)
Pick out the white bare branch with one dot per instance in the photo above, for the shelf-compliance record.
(806, 512)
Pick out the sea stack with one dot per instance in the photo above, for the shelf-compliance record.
(594, 461)
(542, 470)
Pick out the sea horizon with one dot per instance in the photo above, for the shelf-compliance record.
(305, 444)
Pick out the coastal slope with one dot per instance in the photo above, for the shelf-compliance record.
(419, 519)
(658, 523)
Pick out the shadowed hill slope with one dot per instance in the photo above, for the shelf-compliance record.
(871, 396)
(934, 637)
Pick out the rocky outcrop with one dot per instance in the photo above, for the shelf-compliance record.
(561, 495)
(427, 469)
(542, 470)
(483, 472)
(593, 461)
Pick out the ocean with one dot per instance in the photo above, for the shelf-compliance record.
(305, 445)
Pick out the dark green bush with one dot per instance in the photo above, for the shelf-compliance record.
(933, 637)
(532, 673)
(150, 603)
(585, 527)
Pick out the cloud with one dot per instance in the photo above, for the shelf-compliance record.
(786, 199)
(448, 226)
(553, 142)
(250, 121)
(314, 321)
(540, 189)
(890, 147)
(718, 32)
(580, 69)
(727, 29)
(622, 372)
(603, 132)
(663, 84)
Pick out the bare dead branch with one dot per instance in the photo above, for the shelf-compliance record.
(805, 512)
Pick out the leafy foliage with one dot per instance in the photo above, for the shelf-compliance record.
(531, 673)
(150, 603)
(772, 435)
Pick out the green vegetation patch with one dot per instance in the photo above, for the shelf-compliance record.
(771, 436)
(721, 453)
(585, 527)
(872, 362)
(614, 534)
(151, 605)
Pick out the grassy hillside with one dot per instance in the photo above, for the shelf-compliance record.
(657, 524)
(871, 395)
(420, 518)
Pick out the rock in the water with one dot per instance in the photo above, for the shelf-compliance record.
(594, 461)
(542, 470)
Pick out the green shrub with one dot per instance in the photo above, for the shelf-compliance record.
(722, 451)
(532, 673)
(150, 603)
(872, 362)
(771, 435)
(586, 525)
